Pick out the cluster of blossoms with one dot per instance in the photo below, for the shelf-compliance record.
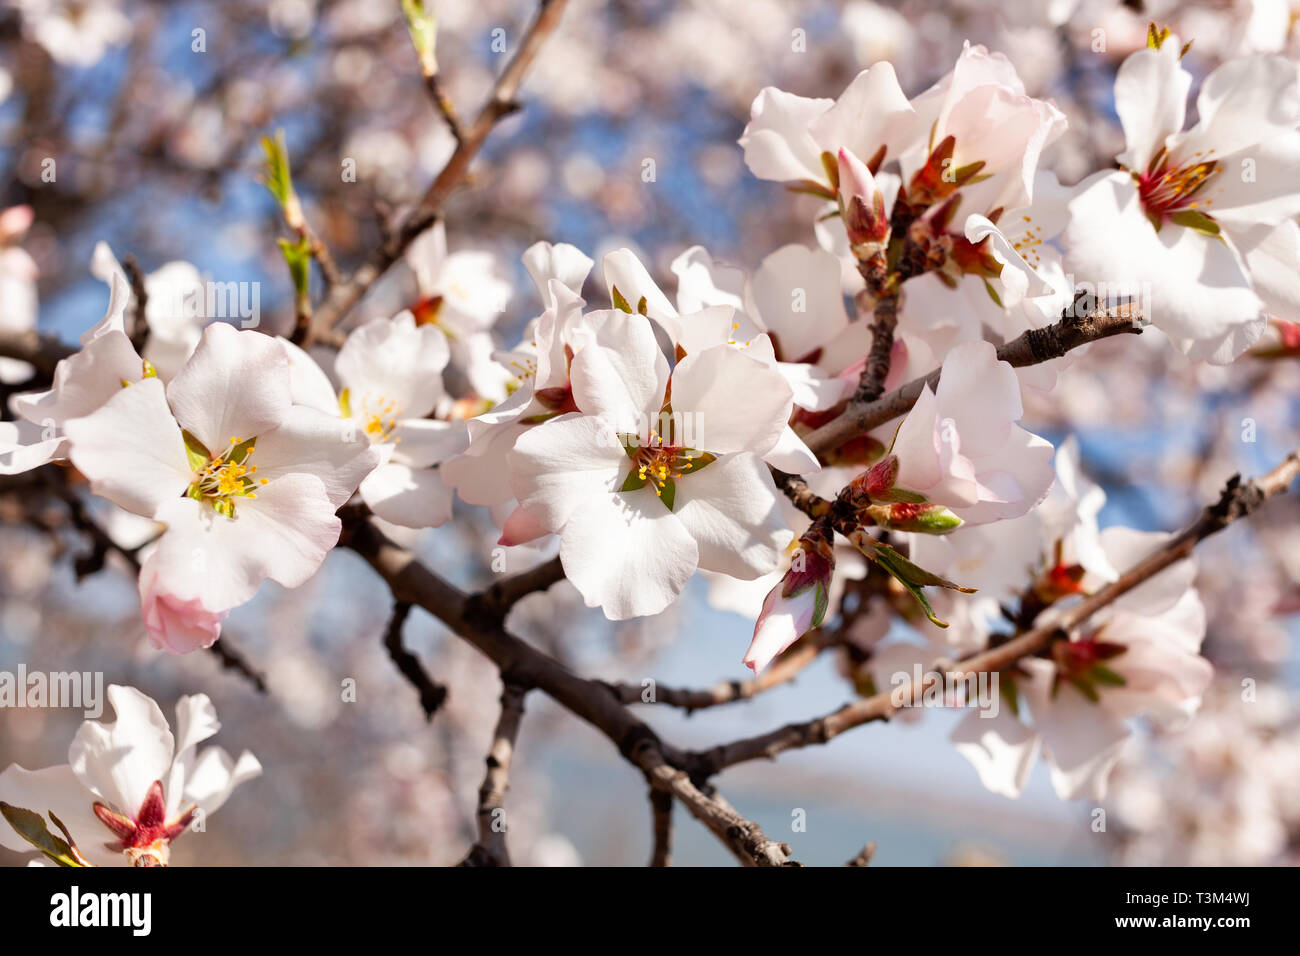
(648, 434)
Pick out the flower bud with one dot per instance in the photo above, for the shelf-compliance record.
(861, 205)
(920, 518)
(799, 601)
(877, 480)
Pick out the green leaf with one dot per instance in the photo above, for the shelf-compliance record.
(195, 453)
(1198, 221)
(620, 303)
(297, 253)
(913, 578)
(276, 175)
(423, 27)
(30, 825)
(831, 164)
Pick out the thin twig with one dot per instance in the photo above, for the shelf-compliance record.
(344, 295)
(490, 850)
(432, 694)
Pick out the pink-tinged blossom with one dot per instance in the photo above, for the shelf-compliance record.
(131, 787)
(960, 446)
(246, 482)
(799, 601)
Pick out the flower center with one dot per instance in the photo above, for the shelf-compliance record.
(220, 479)
(660, 464)
(1167, 190)
(377, 415)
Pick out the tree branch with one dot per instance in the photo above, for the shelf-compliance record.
(1239, 498)
(523, 665)
(661, 807)
(1077, 327)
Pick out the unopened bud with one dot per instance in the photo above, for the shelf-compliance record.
(861, 205)
(922, 518)
(799, 601)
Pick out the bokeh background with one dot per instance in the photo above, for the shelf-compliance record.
(157, 154)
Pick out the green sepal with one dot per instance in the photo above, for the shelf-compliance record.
(810, 187)
(821, 602)
(195, 453)
(633, 481)
(1195, 220)
(539, 419)
(620, 303)
(631, 444)
(1085, 688)
(345, 402)
(993, 293)
(1104, 675)
(30, 825)
(698, 459)
(224, 506)
(241, 451)
(1009, 693)
(898, 495)
(668, 493)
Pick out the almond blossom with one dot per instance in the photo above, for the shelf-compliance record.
(644, 486)
(1140, 656)
(246, 482)
(461, 294)
(132, 787)
(541, 374)
(1190, 214)
(17, 286)
(82, 383)
(960, 445)
(175, 308)
(389, 374)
